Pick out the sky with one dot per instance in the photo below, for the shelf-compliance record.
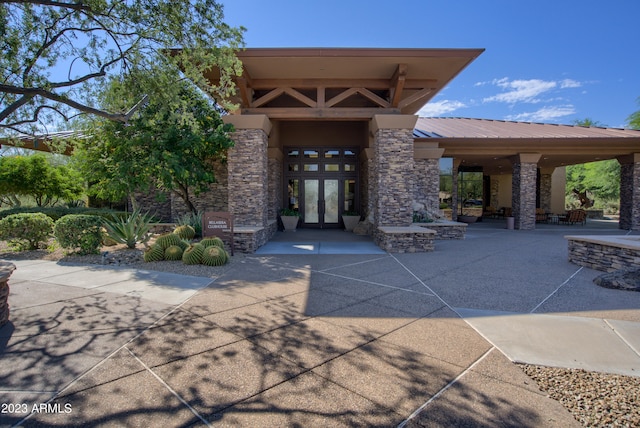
(544, 61)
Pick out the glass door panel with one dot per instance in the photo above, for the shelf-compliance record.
(311, 198)
(331, 201)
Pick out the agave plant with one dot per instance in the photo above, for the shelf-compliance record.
(134, 229)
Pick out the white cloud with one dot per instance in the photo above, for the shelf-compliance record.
(570, 83)
(438, 108)
(521, 90)
(545, 114)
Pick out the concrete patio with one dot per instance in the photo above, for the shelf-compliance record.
(346, 338)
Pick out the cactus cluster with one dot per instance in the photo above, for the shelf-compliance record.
(176, 246)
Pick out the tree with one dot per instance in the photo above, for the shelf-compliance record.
(35, 176)
(601, 179)
(170, 143)
(634, 119)
(53, 53)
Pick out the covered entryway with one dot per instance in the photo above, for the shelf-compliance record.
(321, 184)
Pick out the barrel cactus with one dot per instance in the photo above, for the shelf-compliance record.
(214, 256)
(193, 254)
(173, 252)
(153, 254)
(185, 232)
(216, 242)
(183, 244)
(168, 239)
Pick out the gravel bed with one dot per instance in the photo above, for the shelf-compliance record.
(594, 399)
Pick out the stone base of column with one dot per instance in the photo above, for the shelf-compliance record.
(410, 239)
(247, 239)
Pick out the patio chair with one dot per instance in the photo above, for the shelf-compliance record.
(541, 215)
(573, 217)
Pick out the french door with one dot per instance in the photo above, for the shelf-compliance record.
(321, 185)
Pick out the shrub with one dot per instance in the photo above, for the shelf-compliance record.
(134, 229)
(79, 232)
(27, 230)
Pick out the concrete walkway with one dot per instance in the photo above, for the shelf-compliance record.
(315, 339)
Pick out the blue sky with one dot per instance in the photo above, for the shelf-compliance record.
(545, 61)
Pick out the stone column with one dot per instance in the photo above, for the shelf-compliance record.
(523, 189)
(454, 189)
(367, 191)
(393, 169)
(427, 175)
(545, 188)
(275, 183)
(630, 191)
(247, 166)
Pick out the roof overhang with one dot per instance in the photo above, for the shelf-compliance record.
(342, 83)
(493, 144)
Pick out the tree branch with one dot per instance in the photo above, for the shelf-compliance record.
(74, 6)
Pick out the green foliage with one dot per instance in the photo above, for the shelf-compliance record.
(193, 219)
(173, 252)
(193, 254)
(153, 254)
(169, 144)
(94, 39)
(26, 231)
(634, 119)
(289, 212)
(185, 231)
(82, 233)
(35, 176)
(601, 179)
(214, 256)
(57, 212)
(134, 229)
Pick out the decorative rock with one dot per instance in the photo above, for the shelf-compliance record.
(624, 279)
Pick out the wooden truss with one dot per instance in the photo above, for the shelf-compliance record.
(316, 98)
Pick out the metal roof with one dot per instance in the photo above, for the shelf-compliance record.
(456, 127)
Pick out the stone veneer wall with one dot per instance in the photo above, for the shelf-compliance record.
(6, 269)
(545, 192)
(155, 202)
(393, 171)
(248, 177)
(214, 199)
(524, 195)
(602, 257)
(427, 183)
(412, 239)
(446, 231)
(495, 192)
(629, 194)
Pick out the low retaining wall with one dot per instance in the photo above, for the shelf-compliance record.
(247, 239)
(411, 239)
(6, 269)
(446, 229)
(605, 253)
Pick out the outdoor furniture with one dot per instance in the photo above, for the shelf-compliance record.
(541, 216)
(573, 217)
